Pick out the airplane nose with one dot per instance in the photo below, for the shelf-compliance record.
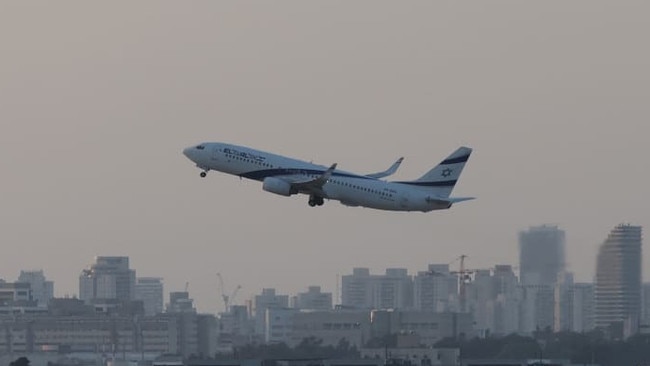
(189, 153)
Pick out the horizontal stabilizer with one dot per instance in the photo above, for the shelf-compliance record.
(447, 200)
(460, 199)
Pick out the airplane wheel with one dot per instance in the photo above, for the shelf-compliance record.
(320, 201)
(203, 174)
(312, 203)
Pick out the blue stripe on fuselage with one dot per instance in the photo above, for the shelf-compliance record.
(460, 159)
(444, 183)
(265, 173)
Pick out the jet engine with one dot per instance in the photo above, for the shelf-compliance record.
(277, 186)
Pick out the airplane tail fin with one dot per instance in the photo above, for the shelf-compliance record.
(442, 178)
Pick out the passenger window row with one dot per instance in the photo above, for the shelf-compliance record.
(344, 184)
(267, 165)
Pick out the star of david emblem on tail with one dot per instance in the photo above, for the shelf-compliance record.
(447, 172)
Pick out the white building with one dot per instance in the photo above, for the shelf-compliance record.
(393, 290)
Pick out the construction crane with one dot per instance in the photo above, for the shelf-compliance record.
(464, 278)
(225, 297)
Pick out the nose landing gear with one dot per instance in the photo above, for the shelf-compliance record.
(203, 174)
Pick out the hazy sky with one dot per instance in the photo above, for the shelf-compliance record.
(97, 100)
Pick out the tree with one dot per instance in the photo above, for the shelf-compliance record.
(20, 361)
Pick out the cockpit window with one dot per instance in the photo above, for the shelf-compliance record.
(200, 147)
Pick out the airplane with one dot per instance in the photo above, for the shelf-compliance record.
(286, 176)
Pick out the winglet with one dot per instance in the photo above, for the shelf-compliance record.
(390, 171)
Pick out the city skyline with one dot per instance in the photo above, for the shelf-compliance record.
(98, 101)
(498, 302)
(337, 290)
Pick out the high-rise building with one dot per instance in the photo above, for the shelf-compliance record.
(107, 278)
(181, 308)
(42, 289)
(434, 288)
(493, 301)
(267, 300)
(356, 289)
(563, 311)
(180, 302)
(392, 290)
(506, 300)
(541, 255)
(583, 307)
(313, 299)
(149, 290)
(236, 328)
(645, 304)
(479, 295)
(618, 281)
(536, 308)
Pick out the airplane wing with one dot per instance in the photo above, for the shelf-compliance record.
(390, 171)
(314, 185)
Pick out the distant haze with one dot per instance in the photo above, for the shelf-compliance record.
(97, 100)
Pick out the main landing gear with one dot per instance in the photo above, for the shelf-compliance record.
(316, 201)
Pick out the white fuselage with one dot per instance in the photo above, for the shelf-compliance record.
(348, 188)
